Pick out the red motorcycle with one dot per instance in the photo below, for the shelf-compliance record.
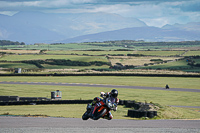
(99, 110)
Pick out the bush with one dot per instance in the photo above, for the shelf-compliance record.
(35, 62)
(156, 60)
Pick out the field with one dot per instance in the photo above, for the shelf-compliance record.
(111, 45)
(169, 60)
(43, 57)
(137, 61)
(121, 55)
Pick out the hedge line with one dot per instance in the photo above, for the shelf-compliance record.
(102, 74)
(46, 102)
(64, 62)
(127, 103)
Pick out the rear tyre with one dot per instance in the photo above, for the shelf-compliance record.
(98, 115)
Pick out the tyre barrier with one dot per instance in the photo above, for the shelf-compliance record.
(130, 104)
(139, 114)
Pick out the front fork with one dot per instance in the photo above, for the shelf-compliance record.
(90, 109)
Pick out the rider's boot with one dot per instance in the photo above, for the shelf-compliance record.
(108, 116)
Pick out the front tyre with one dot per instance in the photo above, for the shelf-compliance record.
(98, 115)
(85, 116)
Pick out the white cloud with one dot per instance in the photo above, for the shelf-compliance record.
(154, 13)
(42, 3)
(9, 13)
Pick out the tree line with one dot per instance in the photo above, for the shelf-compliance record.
(64, 62)
(129, 43)
(7, 42)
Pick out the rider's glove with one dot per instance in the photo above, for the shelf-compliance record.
(102, 94)
(114, 106)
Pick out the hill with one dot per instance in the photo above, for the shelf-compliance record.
(153, 34)
(37, 27)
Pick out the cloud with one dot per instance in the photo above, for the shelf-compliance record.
(157, 14)
(152, 12)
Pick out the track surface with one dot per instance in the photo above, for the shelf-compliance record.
(33, 125)
(100, 85)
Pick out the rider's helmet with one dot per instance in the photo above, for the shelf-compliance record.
(114, 93)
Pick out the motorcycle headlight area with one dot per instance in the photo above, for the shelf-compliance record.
(109, 105)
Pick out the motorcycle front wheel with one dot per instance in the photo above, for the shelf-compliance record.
(85, 116)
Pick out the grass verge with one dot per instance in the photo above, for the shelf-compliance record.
(77, 110)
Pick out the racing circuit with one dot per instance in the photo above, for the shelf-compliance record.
(52, 124)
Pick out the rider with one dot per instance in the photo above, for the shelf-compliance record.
(112, 96)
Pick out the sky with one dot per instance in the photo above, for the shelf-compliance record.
(153, 12)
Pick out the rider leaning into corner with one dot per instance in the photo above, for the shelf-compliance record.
(112, 96)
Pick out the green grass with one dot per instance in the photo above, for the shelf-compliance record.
(72, 111)
(177, 65)
(105, 46)
(162, 97)
(17, 65)
(70, 46)
(43, 57)
(160, 53)
(46, 66)
(125, 60)
(151, 53)
(75, 111)
(87, 93)
(89, 52)
(138, 61)
(192, 53)
(178, 113)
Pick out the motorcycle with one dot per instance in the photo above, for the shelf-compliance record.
(100, 110)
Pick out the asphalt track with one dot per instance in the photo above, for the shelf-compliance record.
(100, 85)
(54, 125)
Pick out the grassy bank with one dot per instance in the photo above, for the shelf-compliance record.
(76, 111)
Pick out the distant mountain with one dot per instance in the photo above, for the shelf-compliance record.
(35, 27)
(187, 32)
(192, 26)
